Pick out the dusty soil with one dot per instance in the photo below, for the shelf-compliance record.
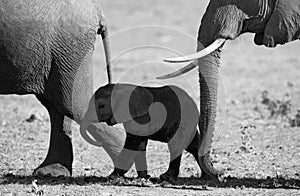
(260, 155)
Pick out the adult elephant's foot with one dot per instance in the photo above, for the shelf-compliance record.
(58, 161)
(53, 170)
(209, 171)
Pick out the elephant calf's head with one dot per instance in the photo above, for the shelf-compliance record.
(118, 103)
(102, 104)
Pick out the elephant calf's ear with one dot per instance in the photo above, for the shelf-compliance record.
(129, 102)
(140, 101)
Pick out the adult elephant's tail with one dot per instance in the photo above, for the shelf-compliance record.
(103, 31)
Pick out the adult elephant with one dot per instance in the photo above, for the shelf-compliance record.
(273, 22)
(46, 49)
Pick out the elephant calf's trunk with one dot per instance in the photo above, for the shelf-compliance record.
(89, 118)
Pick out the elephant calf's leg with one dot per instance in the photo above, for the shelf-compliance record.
(140, 160)
(173, 171)
(123, 164)
(134, 151)
(59, 159)
(193, 148)
(175, 158)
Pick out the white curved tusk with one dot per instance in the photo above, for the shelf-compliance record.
(209, 49)
(179, 72)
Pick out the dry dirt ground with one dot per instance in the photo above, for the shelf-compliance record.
(260, 155)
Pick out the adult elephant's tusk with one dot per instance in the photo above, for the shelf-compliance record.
(209, 49)
(179, 72)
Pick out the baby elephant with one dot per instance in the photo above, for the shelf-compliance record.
(166, 114)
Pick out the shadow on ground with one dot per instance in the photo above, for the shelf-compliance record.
(182, 183)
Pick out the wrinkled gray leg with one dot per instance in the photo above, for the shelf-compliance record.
(134, 150)
(60, 154)
(140, 161)
(173, 171)
(193, 148)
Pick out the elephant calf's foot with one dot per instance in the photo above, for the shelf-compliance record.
(205, 176)
(169, 177)
(117, 173)
(143, 174)
(53, 170)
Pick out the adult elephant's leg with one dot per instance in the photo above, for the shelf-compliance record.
(60, 154)
(193, 148)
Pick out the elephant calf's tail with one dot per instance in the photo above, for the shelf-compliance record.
(103, 31)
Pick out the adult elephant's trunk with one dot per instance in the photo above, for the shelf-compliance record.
(208, 79)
